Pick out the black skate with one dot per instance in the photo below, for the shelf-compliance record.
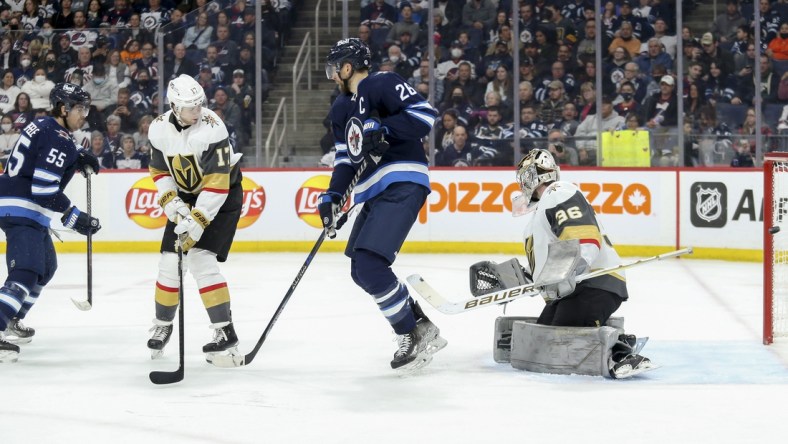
(8, 352)
(630, 366)
(162, 331)
(224, 340)
(17, 333)
(625, 362)
(417, 346)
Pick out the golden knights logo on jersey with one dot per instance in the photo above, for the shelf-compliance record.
(210, 120)
(185, 172)
(529, 252)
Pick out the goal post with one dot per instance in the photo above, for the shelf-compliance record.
(775, 247)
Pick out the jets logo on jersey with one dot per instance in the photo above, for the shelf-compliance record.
(354, 135)
(63, 134)
(185, 172)
(159, 119)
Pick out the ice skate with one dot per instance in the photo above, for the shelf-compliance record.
(8, 352)
(224, 340)
(17, 333)
(630, 366)
(417, 346)
(625, 362)
(162, 331)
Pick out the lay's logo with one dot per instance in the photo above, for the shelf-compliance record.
(253, 204)
(142, 205)
(306, 200)
(143, 208)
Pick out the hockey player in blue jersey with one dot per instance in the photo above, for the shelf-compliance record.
(40, 166)
(381, 116)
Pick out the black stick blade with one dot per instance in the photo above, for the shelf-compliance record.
(161, 378)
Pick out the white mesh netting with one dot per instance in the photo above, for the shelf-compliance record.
(779, 288)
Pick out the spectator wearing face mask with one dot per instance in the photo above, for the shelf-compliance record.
(103, 90)
(8, 137)
(38, 89)
(24, 72)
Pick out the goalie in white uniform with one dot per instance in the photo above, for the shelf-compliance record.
(199, 183)
(561, 212)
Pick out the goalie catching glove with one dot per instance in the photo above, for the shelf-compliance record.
(488, 276)
(173, 206)
(191, 228)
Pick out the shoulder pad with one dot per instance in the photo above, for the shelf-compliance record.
(557, 193)
(211, 128)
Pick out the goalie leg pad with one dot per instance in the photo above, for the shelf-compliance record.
(563, 350)
(502, 335)
(488, 276)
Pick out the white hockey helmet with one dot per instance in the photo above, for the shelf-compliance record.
(536, 168)
(184, 92)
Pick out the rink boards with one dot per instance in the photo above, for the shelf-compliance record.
(646, 211)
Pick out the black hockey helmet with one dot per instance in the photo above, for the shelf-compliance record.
(70, 95)
(352, 51)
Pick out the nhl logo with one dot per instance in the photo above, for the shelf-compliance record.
(709, 202)
(354, 135)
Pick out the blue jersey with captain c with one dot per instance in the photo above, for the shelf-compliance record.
(39, 167)
(406, 117)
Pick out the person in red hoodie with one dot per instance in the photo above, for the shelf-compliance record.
(778, 47)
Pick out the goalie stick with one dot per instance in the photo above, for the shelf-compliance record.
(510, 294)
(228, 361)
(161, 377)
(88, 304)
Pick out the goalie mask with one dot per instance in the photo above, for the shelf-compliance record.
(536, 168)
(186, 98)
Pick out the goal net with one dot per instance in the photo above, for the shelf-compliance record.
(775, 247)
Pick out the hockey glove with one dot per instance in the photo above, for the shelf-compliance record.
(567, 286)
(173, 206)
(191, 228)
(87, 162)
(80, 222)
(374, 142)
(328, 207)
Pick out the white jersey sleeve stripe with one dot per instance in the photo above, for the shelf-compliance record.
(426, 118)
(38, 190)
(45, 176)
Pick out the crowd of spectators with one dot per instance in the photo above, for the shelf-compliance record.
(109, 48)
(557, 92)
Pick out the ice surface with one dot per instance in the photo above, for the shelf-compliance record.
(323, 374)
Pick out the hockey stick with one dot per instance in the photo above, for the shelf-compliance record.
(87, 305)
(228, 361)
(500, 297)
(160, 377)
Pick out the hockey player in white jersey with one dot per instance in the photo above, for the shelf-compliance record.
(561, 212)
(199, 185)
